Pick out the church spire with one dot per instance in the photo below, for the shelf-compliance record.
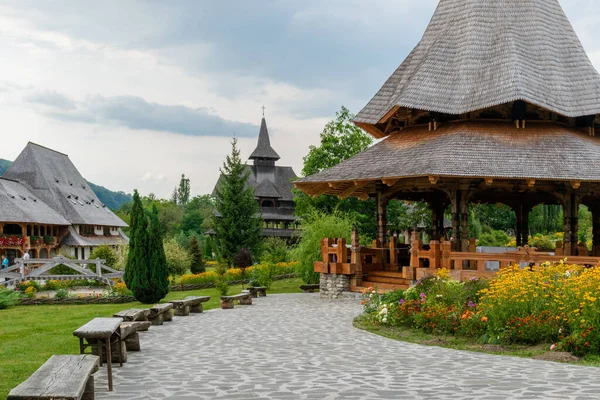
(263, 148)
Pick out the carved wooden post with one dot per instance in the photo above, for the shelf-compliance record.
(356, 259)
(455, 204)
(394, 253)
(381, 213)
(596, 231)
(341, 250)
(435, 249)
(567, 209)
(472, 249)
(575, 199)
(559, 249)
(464, 221)
(446, 252)
(414, 250)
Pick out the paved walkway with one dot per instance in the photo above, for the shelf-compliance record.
(301, 347)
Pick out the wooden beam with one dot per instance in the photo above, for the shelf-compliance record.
(530, 183)
(575, 184)
(489, 181)
(353, 188)
(334, 185)
(389, 182)
(433, 179)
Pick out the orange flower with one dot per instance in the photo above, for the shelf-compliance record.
(464, 316)
(484, 319)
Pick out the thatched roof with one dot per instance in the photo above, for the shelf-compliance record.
(481, 53)
(52, 177)
(263, 147)
(476, 149)
(18, 204)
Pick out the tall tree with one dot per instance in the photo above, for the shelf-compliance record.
(196, 255)
(175, 196)
(183, 191)
(238, 224)
(340, 140)
(137, 239)
(157, 264)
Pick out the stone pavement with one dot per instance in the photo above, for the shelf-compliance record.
(298, 346)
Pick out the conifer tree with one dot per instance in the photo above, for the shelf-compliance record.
(183, 192)
(158, 275)
(137, 221)
(197, 263)
(238, 224)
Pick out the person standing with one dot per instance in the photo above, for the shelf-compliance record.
(4, 264)
(25, 259)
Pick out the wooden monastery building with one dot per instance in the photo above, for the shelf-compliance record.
(498, 103)
(272, 186)
(47, 207)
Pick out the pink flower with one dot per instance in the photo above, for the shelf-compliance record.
(552, 347)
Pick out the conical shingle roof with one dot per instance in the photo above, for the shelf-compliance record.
(263, 148)
(480, 53)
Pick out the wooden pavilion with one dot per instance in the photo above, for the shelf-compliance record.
(498, 103)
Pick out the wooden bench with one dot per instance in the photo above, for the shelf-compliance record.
(133, 314)
(61, 377)
(243, 298)
(160, 313)
(310, 288)
(257, 291)
(100, 333)
(189, 304)
(130, 335)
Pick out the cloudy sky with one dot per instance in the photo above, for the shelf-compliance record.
(138, 92)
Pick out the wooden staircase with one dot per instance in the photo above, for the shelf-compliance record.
(384, 281)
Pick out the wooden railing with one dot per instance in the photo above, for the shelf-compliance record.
(340, 258)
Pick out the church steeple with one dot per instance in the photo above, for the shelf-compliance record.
(263, 150)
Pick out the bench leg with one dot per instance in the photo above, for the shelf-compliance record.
(88, 393)
(247, 301)
(109, 365)
(121, 351)
(183, 311)
(196, 308)
(132, 342)
(168, 316)
(262, 293)
(158, 320)
(81, 346)
(226, 304)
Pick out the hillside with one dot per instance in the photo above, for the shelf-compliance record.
(113, 200)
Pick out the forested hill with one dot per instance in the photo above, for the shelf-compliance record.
(113, 200)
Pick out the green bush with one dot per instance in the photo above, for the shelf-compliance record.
(494, 239)
(263, 276)
(8, 298)
(275, 250)
(61, 294)
(105, 253)
(315, 227)
(222, 287)
(178, 259)
(542, 243)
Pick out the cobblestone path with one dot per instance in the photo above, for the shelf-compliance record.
(300, 347)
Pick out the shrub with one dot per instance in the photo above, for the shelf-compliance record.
(61, 294)
(275, 250)
(315, 227)
(8, 298)
(105, 253)
(30, 291)
(543, 243)
(494, 239)
(196, 263)
(52, 285)
(23, 286)
(222, 287)
(263, 275)
(121, 289)
(178, 260)
(243, 260)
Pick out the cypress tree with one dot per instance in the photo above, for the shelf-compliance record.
(238, 225)
(197, 263)
(158, 274)
(137, 220)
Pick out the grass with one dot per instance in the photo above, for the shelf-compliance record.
(459, 343)
(29, 335)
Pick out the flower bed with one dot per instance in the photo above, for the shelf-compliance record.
(235, 274)
(557, 304)
(11, 240)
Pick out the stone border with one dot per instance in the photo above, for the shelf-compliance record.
(78, 300)
(208, 285)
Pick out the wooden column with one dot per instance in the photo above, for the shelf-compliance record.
(455, 203)
(575, 199)
(381, 214)
(522, 218)
(567, 210)
(464, 221)
(437, 218)
(595, 230)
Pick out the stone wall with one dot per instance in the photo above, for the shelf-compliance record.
(333, 286)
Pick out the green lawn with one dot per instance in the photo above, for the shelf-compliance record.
(29, 335)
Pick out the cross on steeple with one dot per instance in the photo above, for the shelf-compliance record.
(263, 108)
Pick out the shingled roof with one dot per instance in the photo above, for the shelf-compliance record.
(482, 149)
(263, 147)
(52, 177)
(18, 204)
(481, 53)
